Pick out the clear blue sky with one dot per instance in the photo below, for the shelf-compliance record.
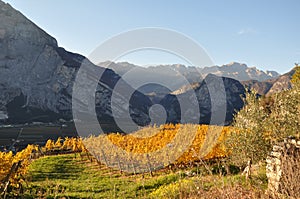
(265, 34)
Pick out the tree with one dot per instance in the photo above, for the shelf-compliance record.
(264, 121)
(249, 141)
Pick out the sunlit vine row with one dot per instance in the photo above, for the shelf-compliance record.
(66, 144)
(23, 158)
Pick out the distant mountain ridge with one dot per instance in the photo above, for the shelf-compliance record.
(264, 82)
(240, 72)
(183, 78)
(234, 70)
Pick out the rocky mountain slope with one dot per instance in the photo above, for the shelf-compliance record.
(37, 76)
(271, 86)
(234, 91)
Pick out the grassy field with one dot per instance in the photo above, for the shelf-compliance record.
(73, 176)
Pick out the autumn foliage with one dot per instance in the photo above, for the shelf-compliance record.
(204, 145)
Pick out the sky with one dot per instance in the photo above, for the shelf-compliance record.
(264, 34)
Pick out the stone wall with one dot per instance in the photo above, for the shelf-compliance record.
(283, 167)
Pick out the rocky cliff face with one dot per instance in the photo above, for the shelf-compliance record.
(28, 59)
(36, 76)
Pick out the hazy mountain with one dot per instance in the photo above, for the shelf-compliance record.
(180, 79)
(173, 76)
(240, 72)
(186, 76)
(271, 86)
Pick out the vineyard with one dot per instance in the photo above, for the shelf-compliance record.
(131, 153)
(157, 147)
(13, 167)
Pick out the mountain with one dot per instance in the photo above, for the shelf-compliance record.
(240, 72)
(189, 77)
(167, 96)
(174, 76)
(192, 74)
(37, 77)
(234, 91)
(271, 86)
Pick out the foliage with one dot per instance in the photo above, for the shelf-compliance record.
(173, 190)
(143, 142)
(249, 140)
(211, 187)
(296, 76)
(64, 175)
(5, 164)
(15, 178)
(263, 121)
(66, 144)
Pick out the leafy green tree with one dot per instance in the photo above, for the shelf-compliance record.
(264, 121)
(249, 141)
(285, 116)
